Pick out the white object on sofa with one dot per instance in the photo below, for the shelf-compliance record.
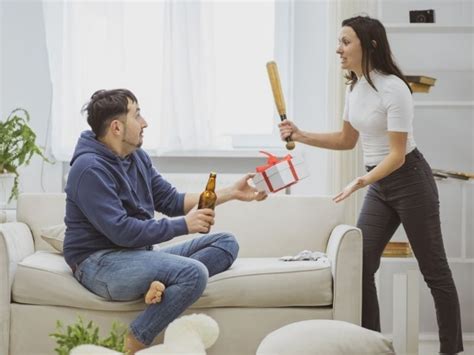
(324, 337)
(258, 294)
(190, 335)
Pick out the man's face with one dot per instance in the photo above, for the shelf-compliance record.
(134, 125)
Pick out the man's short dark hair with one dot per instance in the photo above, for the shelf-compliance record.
(104, 106)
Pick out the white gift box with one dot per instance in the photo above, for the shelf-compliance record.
(281, 175)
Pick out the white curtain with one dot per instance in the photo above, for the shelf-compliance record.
(189, 76)
(344, 165)
(159, 50)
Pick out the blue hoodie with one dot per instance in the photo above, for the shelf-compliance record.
(111, 201)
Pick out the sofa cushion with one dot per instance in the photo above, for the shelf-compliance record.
(45, 278)
(269, 282)
(54, 236)
(321, 336)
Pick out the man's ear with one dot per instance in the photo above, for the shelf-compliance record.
(115, 127)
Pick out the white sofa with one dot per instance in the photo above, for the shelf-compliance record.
(256, 296)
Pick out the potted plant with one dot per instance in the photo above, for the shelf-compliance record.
(79, 333)
(17, 147)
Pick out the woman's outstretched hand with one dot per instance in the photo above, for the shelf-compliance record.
(355, 185)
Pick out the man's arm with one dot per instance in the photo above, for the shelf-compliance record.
(190, 200)
(105, 211)
(241, 191)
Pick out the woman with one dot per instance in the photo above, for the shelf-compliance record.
(379, 108)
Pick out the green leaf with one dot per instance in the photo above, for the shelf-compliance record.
(80, 333)
(17, 146)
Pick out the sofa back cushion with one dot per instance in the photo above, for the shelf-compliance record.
(54, 236)
(280, 225)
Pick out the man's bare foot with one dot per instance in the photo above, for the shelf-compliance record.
(132, 345)
(153, 295)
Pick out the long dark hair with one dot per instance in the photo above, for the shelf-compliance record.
(376, 53)
(106, 105)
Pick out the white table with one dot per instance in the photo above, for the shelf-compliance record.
(406, 312)
(405, 320)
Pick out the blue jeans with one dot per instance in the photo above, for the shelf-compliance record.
(126, 274)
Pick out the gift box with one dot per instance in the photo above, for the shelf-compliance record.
(278, 174)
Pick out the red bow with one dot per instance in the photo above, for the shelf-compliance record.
(271, 160)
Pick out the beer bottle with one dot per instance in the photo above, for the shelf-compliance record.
(208, 198)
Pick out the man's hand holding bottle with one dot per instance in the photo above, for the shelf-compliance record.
(199, 221)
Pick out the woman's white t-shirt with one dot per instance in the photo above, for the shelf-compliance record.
(375, 112)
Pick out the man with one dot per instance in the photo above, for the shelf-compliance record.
(112, 194)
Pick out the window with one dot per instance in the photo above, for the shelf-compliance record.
(197, 68)
(248, 35)
(244, 42)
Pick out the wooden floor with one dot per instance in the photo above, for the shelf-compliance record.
(429, 345)
(432, 348)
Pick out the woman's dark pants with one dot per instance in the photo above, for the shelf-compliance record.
(409, 196)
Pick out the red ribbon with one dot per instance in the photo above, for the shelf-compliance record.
(271, 161)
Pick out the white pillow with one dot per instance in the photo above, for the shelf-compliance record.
(322, 336)
(54, 236)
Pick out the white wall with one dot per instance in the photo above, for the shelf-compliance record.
(25, 83)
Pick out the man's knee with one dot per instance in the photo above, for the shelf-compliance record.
(229, 243)
(195, 273)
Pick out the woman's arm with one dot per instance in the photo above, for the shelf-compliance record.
(393, 161)
(241, 190)
(342, 140)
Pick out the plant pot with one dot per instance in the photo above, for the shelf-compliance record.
(6, 185)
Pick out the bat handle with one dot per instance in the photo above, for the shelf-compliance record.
(290, 145)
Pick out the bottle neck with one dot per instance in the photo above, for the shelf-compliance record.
(211, 184)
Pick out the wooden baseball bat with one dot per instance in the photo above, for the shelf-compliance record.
(272, 70)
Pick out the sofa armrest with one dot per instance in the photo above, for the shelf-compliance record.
(344, 250)
(16, 243)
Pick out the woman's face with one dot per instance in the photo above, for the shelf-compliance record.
(350, 50)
